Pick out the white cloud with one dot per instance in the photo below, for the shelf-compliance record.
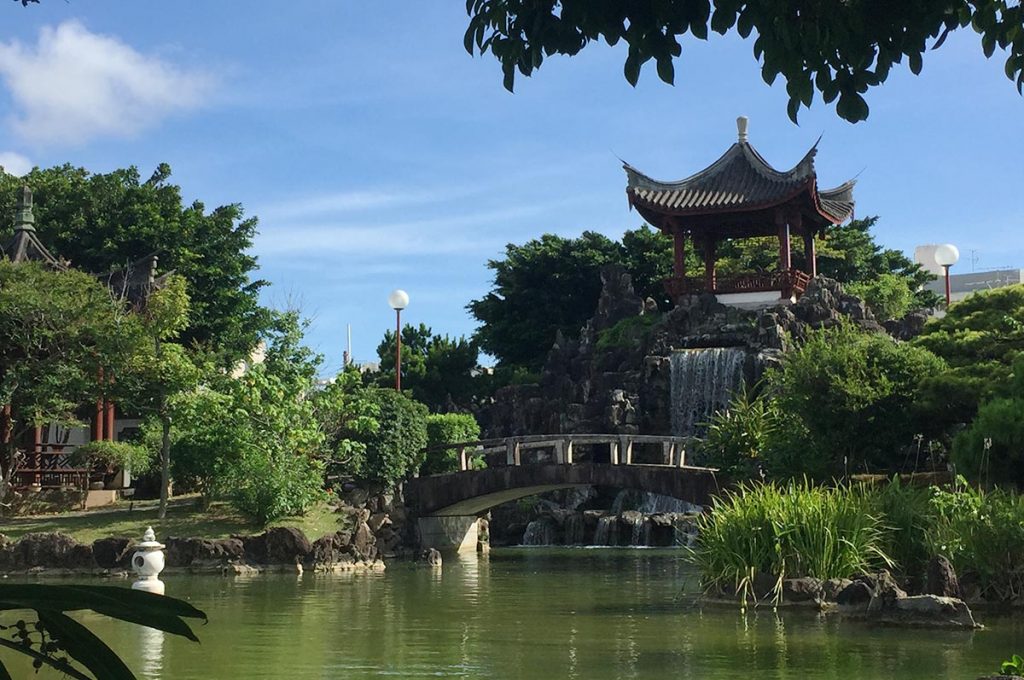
(14, 163)
(74, 86)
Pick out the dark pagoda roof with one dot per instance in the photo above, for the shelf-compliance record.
(738, 191)
(24, 245)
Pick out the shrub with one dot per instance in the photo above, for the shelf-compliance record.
(787, 532)
(982, 534)
(1000, 423)
(395, 449)
(889, 296)
(119, 455)
(738, 435)
(447, 428)
(856, 395)
(627, 332)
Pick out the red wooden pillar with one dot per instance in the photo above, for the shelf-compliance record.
(108, 428)
(709, 265)
(97, 422)
(679, 250)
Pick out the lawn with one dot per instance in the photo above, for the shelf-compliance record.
(184, 519)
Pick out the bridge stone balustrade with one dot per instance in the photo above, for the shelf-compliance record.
(447, 505)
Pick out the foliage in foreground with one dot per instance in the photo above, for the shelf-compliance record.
(56, 640)
(837, 49)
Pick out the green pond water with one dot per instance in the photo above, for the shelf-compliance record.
(528, 613)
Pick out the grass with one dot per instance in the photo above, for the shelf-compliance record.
(184, 519)
(787, 532)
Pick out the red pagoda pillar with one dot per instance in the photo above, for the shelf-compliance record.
(679, 250)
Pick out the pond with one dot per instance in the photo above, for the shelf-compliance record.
(528, 614)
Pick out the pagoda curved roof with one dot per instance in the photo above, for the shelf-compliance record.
(738, 182)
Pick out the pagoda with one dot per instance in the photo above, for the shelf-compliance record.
(741, 196)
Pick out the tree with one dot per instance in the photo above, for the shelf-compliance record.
(447, 428)
(106, 222)
(888, 296)
(437, 369)
(856, 394)
(980, 337)
(166, 370)
(254, 437)
(60, 334)
(552, 283)
(840, 49)
(395, 449)
(991, 449)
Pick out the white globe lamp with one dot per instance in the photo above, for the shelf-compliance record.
(398, 300)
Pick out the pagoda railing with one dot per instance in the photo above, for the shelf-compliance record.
(50, 467)
(791, 281)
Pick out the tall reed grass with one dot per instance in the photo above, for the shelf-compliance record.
(788, 531)
(798, 529)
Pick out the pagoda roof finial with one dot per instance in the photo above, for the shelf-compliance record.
(741, 128)
(24, 218)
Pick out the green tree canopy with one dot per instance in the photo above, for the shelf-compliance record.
(979, 337)
(552, 283)
(856, 394)
(59, 332)
(437, 369)
(106, 221)
(839, 49)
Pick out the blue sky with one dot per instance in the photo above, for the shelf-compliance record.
(378, 154)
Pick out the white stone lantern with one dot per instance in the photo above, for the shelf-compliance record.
(148, 562)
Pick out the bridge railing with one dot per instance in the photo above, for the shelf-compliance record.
(621, 448)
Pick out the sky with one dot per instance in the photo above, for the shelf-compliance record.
(378, 154)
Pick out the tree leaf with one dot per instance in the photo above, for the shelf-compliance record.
(4, 675)
(666, 71)
(84, 647)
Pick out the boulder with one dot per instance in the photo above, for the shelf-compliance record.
(831, 588)
(112, 553)
(804, 589)
(941, 578)
(856, 593)
(189, 552)
(51, 551)
(280, 545)
(331, 549)
(885, 592)
(930, 611)
(364, 543)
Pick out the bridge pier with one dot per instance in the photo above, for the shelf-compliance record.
(449, 533)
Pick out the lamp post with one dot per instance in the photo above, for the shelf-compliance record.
(946, 256)
(398, 300)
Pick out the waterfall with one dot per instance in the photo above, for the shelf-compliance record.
(703, 381)
(607, 531)
(575, 529)
(539, 532)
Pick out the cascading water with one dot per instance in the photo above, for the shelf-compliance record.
(607, 532)
(703, 381)
(539, 532)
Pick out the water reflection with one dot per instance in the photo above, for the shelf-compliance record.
(528, 615)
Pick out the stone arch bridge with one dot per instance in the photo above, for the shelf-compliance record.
(447, 505)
